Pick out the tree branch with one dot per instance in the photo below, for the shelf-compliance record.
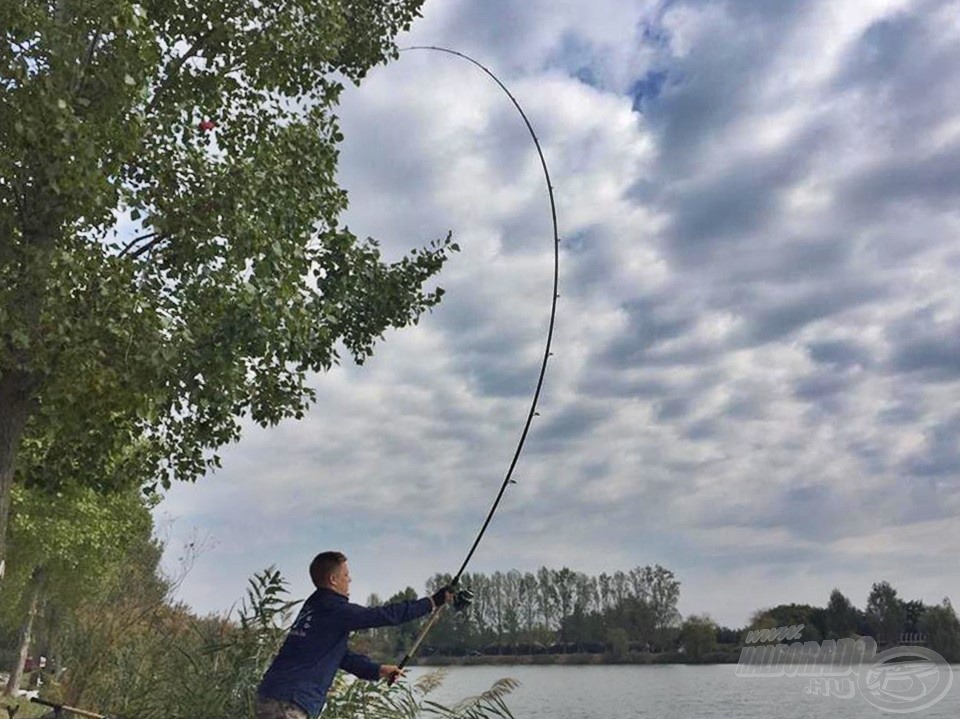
(87, 59)
(135, 241)
(21, 183)
(19, 198)
(149, 246)
(175, 70)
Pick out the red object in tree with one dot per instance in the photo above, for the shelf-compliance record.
(207, 125)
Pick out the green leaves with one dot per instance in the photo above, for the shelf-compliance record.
(144, 347)
(75, 534)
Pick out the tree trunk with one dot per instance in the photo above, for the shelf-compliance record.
(26, 636)
(39, 230)
(14, 410)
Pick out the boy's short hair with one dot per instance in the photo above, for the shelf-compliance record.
(325, 564)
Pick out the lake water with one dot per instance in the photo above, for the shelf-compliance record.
(671, 692)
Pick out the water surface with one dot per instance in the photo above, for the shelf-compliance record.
(665, 692)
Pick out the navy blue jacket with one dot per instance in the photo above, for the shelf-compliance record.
(316, 647)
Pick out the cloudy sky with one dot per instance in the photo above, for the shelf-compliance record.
(756, 380)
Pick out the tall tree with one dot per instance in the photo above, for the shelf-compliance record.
(512, 581)
(664, 593)
(698, 636)
(171, 258)
(529, 607)
(942, 628)
(913, 611)
(604, 592)
(619, 588)
(565, 587)
(64, 544)
(638, 618)
(547, 596)
(841, 618)
(498, 605)
(885, 613)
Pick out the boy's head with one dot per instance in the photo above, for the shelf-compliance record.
(329, 570)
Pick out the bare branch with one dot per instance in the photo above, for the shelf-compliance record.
(135, 241)
(87, 59)
(149, 246)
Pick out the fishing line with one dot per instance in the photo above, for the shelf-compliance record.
(546, 352)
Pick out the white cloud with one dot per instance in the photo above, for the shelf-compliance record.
(755, 370)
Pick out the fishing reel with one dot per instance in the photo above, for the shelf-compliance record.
(462, 599)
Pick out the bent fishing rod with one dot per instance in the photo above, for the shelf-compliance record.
(508, 479)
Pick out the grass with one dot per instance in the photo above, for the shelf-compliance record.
(25, 708)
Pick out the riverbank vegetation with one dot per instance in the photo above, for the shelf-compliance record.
(124, 646)
(563, 616)
(115, 639)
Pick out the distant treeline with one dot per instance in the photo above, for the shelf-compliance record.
(548, 611)
(886, 617)
(632, 615)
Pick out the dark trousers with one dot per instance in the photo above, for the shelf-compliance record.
(275, 709)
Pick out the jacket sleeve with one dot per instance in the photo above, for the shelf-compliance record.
(357, 617)
(360, 666)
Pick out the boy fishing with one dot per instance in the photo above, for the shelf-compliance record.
(296, 684)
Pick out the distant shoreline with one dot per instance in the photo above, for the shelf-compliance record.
(721, 657)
